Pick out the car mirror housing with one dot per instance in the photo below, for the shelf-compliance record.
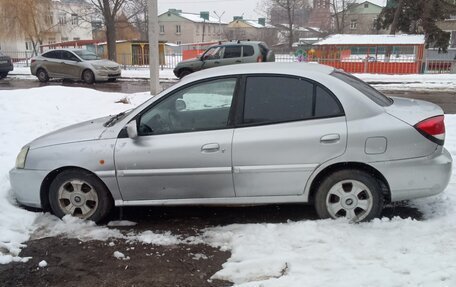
(132, 130)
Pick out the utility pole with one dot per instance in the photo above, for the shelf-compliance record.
(220, 23)
(153, 47)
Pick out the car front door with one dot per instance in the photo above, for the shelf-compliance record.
(212, 57)
(183, 150)
(71, 67)
(289, 126)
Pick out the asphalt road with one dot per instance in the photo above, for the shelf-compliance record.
(446, 100)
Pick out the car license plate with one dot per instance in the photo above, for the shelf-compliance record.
(3, 62)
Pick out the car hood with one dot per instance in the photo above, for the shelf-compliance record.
(105, 63)
(189, 62)
(85, 131)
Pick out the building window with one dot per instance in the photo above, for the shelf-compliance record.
(162, 29)
(353, 24)
(76, 39)
(28, 45)
(49, 19)
(62, 19)
(74, 19)
(178, 29)
(64, 39)
(178, 42)
(51, 41)
(366, 5)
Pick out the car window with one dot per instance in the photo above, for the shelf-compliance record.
(247, 51)
(232, 52)
(364, 88)
(52, 55)
(325, 104)
(69, 56)
(213, 53)
(86, 55)
(272, 99)
(204, 106)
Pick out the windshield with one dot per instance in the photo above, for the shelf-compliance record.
(364, 88)
(86, 55)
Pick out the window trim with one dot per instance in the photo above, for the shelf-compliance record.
(231, 113)
(239, 123)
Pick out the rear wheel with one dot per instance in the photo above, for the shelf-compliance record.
(80, 194)
(3, 75)
(352, 194)
(88, 77)
(42, 75)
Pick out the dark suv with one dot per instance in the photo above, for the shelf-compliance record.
(227, 53)
(6, 65)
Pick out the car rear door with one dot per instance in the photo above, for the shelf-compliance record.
(288, 127)
(232, 55)
(52, 62)
(71, 67)
(183, 150)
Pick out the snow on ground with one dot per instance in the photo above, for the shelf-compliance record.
(385, 252)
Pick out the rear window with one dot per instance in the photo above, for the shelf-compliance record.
(52, 55)
(364, 88)
(248, 51)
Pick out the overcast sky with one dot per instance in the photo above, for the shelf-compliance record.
(249, 8)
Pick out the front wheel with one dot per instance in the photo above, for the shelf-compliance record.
(80, 194)
(88, 77)
(352, 194)
(3, 75)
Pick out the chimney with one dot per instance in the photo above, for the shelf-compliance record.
(262, 21)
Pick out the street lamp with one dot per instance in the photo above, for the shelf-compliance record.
(220, 23)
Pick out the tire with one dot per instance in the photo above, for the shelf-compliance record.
(3, 75)
(88, 77)
(184, 73)
(112, 80)
(42, 75)
(352, 194)
(80, 194)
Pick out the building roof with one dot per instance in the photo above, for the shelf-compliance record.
(256, 24)
(346, 39)
(194, 17)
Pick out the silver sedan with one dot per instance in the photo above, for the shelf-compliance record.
(76, 64)
(285, 133)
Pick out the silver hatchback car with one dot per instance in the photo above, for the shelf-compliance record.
(285, 133)
(76, 64)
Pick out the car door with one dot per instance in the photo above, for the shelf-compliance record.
(52, 63)
(232, 55)
(288, 127)
(71, 67)
(248, 54)
(212, 57)
(183, 150)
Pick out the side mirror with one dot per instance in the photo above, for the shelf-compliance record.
(132, 130)
(180, 105)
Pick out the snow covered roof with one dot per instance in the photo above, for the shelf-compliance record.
(194, 17)
(256, 24)
(381, 3)
(345, 39)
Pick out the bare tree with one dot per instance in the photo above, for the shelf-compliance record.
(137, 12)
(290, 6)
(340, 9)
(30, 18)
(110, 9)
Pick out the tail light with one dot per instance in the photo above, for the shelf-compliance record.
(260, 59)
(433, 129)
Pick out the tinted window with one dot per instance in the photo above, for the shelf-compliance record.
(52, 54)
(86, 55)
(326, 105)
(364, 88)
(277, 99)
(248, 51)
(232, 52)
(204, 106)
(69, 56)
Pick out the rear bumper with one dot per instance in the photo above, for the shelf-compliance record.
(26, 185)
(415, 178)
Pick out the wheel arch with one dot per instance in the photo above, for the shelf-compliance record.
(46, 183)
(349, 165)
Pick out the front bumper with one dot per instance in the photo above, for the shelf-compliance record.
(106, 75)
(6, 68)
(419, 177)
(26, 185)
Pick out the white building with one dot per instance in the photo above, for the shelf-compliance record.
(63, 23)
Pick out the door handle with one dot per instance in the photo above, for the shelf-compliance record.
(216, 62)
(331, 138)
(212, 147)
(238, 61)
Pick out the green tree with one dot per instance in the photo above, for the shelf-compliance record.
(418, 17)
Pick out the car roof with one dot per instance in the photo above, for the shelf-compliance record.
(240, 42)
(66, 49)
(299, 69)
